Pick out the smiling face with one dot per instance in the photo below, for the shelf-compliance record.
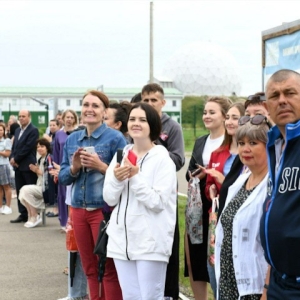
(92, 111)
(138, 127)
(252, 153)
(41, 150)
(232, 120)
(283, 101)
(212, 116)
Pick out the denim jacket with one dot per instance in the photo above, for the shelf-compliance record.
(87, 188)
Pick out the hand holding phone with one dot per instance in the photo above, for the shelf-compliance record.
(90, 150)
(198, 171)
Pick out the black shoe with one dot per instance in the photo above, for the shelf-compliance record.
(52, 214)
(19, 219)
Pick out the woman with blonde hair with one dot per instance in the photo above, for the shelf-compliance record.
(70, 120)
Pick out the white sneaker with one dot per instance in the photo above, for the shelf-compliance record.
(34, 222)
(1, 209)
(6, 210)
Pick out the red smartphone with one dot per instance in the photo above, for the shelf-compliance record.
(132, 157)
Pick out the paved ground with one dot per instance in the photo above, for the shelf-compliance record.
(32, 260)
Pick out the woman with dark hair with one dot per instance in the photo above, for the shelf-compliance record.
(240, 264)
(86, 156)
(143, 190)
(116, 116)
(5, 150)
(32, 195)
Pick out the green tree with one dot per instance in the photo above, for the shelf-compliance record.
(192, 110)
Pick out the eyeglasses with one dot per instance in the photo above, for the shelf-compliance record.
(257, 97)
(256, 120)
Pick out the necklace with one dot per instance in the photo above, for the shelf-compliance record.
(253, 182)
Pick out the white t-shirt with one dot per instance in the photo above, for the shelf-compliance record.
(210, 146)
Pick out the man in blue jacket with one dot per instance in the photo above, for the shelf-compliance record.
(280, 223)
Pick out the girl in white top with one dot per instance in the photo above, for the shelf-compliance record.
(5, 150)
(142, 224)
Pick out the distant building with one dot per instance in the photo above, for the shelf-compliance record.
(44, 102)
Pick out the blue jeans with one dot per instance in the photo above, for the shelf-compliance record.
(79, 288)
(212, 278)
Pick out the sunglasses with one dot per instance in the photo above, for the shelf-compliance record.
(256, 120)
(257, 97)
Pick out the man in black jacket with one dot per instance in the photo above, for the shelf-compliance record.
(22, 155)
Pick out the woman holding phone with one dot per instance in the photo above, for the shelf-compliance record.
(142, 224)
(86, 171)
(196, 254)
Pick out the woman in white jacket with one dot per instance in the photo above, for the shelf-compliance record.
(239, 259)
(142, 224)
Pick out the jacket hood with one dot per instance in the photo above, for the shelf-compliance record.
(156, 150)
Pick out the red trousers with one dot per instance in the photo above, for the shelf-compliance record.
(86, 227)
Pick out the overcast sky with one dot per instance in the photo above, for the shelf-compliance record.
(90, 43)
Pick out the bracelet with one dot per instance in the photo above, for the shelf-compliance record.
(266, 286)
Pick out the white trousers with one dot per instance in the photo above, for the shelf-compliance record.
(141, 279)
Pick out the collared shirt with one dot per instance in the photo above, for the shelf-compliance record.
(22, 130)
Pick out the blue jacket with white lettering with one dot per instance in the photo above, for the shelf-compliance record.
(280, 223)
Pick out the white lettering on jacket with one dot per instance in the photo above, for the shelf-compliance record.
(290, 180)
(215, 165)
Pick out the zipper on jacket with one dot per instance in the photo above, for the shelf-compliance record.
(119, 209)
(125, 222)
(274, 189)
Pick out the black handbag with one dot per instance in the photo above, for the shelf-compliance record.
(101, 244)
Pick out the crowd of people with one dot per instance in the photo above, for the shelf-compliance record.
(120, 164)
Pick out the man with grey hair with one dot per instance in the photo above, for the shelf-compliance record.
(12, 126)
(280, 223)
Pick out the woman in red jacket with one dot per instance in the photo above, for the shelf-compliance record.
(222, 158)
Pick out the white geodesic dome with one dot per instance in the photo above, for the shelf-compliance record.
(203, 68)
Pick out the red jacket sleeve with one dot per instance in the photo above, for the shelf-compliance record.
(217, 160)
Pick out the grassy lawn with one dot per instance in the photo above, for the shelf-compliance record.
(190, 135)
(184, 281)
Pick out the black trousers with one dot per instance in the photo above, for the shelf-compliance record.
(172, 277)
(282, 288)
(23, 178)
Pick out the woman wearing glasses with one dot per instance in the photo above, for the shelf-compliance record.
(254, 105)
(239, 259)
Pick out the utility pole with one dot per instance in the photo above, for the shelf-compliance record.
(151, 77)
